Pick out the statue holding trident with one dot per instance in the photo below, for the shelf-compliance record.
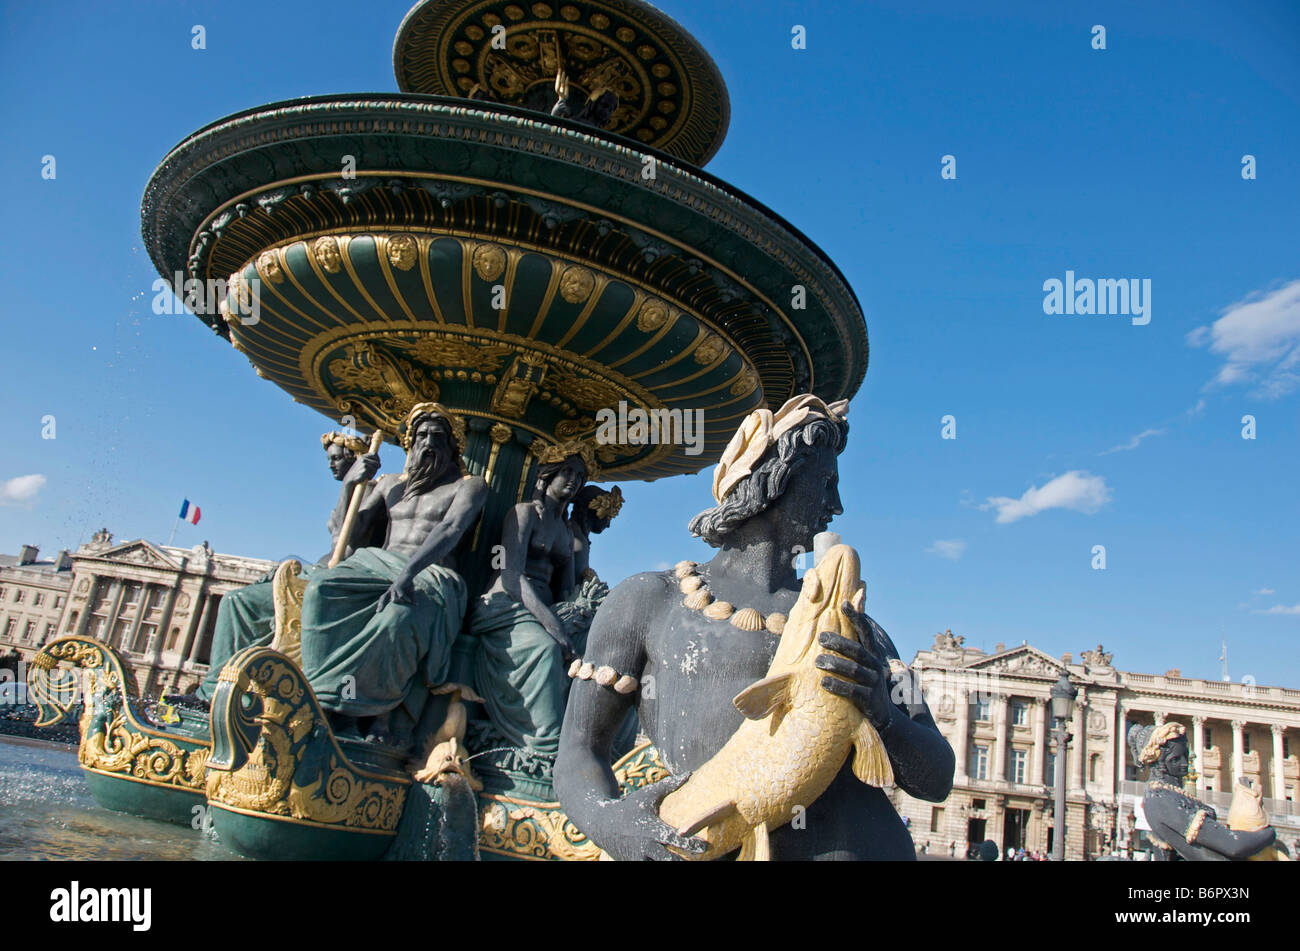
(378, 628)
(246, 616)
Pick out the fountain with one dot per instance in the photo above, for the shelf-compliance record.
(523, 234)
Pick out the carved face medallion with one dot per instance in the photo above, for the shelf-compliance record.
(402, 251)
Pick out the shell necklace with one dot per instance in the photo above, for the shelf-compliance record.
(699, 598)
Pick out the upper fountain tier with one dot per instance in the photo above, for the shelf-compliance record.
(669, 93)
(529, 270)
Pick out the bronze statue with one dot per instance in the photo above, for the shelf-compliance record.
(679, 645)
(595, 109)
(246, 616)
(1183, 827)
(377, 629)
(522, 643)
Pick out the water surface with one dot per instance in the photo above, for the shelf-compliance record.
(46, 812)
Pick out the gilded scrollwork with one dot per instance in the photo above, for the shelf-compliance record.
(533, 830)
(437, 350)
(113, 739)
(542, 830)
(278, 757)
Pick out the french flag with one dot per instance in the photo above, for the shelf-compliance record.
(189, 513)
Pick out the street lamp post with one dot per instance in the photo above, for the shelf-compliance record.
(1063, 694)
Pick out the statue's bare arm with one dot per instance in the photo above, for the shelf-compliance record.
(628, 828)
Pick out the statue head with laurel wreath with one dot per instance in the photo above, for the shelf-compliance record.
(1162, 749)
(595, 507)
(342, 449)
(434, 438)
(563, 469)
(785, 463)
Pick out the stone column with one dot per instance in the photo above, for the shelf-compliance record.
(1279, 775)
(1198, 747)
(1077, 724)
(1238, 754)
(196, 637)
(1121, 753)
(111, 621)
(1000, 738)
(83, 620)
(1038, 719)
(139, 617)
(960, 740)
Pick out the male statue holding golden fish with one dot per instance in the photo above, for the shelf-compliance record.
(767, 700)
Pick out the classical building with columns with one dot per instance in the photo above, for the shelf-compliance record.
(994, 710)
(155, 604)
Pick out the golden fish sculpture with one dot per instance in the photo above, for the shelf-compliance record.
(1247, 814)
(796, 734)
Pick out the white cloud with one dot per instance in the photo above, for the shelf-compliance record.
(1076, 490)
(1282, 609)
(952, 549)
(1259, 339)
(21, 489)
(1133, 443)
(1265, 591)
(1199, 408)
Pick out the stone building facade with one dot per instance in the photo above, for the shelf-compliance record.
(157, 605)
(33, 594)
(994, 709)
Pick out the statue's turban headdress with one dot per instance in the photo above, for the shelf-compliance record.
(1147, 741)
(760, 431)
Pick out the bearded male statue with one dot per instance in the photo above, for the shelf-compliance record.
(378, 628)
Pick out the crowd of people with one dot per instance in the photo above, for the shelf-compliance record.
(986, 851)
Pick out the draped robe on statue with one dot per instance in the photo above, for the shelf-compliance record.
(363, 662)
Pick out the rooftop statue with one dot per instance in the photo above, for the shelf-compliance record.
(595, 109)
(680, 645)
(1183, 827)
(246, 616)
(378, 628)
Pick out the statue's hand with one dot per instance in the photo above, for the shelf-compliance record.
(630, 829)
(364, 469)
(865, 677)
(401, 591)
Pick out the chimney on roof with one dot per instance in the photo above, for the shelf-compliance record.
(999, 647)
(27, 555)
(1067, 658)
(63, 562)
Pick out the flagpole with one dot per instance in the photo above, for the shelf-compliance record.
(171, 538)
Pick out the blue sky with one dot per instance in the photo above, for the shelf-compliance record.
(1115, 163)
